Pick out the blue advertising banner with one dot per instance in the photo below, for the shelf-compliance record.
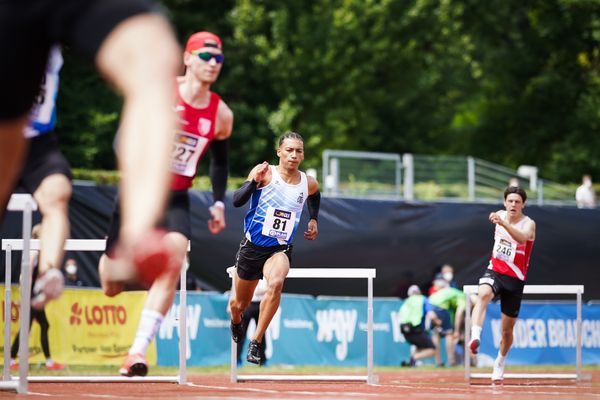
(333, 331)
(543, 334)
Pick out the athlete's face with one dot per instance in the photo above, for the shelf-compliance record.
(291, 153)
(514, 205)
(205, 63)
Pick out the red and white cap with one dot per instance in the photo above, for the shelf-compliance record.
(203, 39)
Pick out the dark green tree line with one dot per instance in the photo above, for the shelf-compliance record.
(505, 80)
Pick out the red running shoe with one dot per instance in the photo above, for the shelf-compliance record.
(54, 366)
(153, 256)
(134, 365)
(474, 346)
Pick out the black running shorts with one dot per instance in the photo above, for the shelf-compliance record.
(43, 159)
(507, 289)
(420, 339)
(28, 28)
(251, 259)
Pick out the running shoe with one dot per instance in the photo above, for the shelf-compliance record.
(498, 372)
(237, 331)
(474, 346)
(410, 363)
(48, 286)
(152, 256)
(134, 365)
(146, 260)
(14, 365)
(256, 354)
(54, 366)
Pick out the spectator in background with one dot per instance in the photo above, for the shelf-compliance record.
(585, 196)
(413, 317)
(448, 275)
(444, 277)
(449, 305)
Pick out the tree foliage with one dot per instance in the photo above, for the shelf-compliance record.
(505, 80)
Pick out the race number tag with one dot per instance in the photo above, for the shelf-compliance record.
(186, 152)
(505, 250)
(279, 224)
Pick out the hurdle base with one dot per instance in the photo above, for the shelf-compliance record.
(348, 378)
(94, 379)
(525, 376)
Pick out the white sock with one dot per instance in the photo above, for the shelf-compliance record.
(501, 358)
(476, 332)
(149, 324)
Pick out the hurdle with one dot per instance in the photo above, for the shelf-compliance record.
(333, 273)
(8, 245)
(529, 289)
(19, 202)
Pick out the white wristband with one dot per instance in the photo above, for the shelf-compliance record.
(219, 204)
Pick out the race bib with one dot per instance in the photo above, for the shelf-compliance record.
(279, 224)
(505, 250)
(187, 150)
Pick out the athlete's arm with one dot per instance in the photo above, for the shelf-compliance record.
(313, 202)
(520, 235)
(219, 166)
(257, 176)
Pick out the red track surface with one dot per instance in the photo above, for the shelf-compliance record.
(412, 384)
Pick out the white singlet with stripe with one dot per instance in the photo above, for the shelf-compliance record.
(509, 257)
(42, 118)
(275, 211)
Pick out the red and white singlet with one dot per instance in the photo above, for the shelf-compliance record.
(509, 257)
(195, 132)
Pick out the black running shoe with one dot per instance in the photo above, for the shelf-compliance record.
(237, 331)
(256, 354)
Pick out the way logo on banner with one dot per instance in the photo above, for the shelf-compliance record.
(397, 335)
(340, 322)
(171, 323)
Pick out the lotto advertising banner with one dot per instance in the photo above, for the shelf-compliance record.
(86, 327)
(544, 334)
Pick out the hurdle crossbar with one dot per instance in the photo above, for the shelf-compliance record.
(529, 289)
(334, 273)
(8, 382)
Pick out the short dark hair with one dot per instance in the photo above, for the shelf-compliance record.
(515, 189)
(289, 135)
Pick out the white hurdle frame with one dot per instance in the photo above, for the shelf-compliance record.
(25, 246)
(370, 378)
(19, 202)
(528, 289)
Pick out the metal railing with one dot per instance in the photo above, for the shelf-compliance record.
(414, 177)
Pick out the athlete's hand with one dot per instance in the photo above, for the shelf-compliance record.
(261, 172)
(495, 218)
(312, 231)
(217, 221)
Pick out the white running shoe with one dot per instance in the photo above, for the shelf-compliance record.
(48, 286)
(498, 372)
